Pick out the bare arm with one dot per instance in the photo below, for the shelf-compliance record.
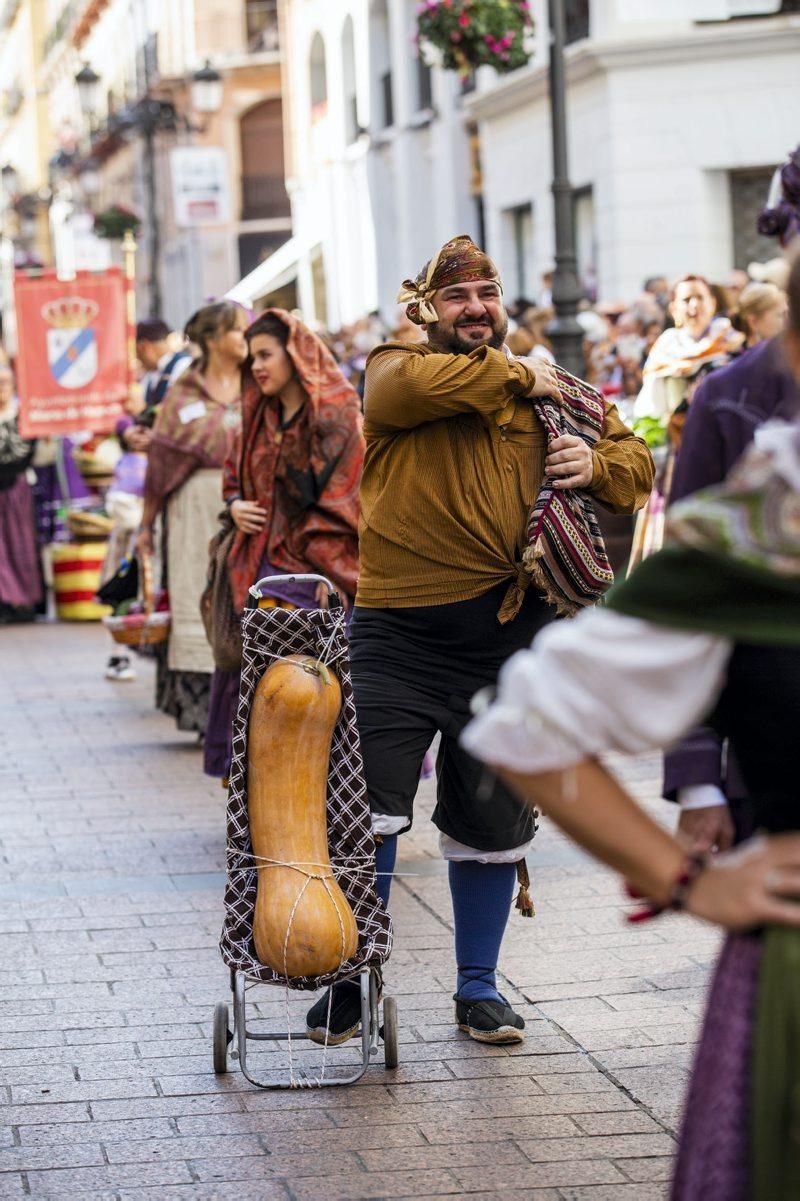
(739, 889)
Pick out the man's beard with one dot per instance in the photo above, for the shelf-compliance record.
(446, 337)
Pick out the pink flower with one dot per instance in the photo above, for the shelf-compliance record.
(455, 36)
(464, 21)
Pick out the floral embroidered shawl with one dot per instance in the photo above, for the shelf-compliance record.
(306, 476)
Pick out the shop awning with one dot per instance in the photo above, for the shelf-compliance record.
(274, 273)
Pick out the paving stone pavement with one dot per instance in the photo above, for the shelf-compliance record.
(110, 911)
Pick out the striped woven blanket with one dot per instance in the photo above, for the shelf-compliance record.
(566, 554)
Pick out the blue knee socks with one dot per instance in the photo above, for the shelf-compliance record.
(385, 855)
(481, 895)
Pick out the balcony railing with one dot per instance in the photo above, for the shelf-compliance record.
(264, 197)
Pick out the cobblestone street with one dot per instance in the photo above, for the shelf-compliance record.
(110, 912)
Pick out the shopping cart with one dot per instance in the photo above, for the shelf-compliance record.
(269, 634)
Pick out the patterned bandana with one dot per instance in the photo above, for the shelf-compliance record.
(459, 261)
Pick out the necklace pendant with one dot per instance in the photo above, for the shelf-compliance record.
(278, 437)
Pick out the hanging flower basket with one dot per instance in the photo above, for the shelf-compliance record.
(114, 222)
(461, 35)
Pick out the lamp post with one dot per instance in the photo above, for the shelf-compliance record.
(88, 84)
(147, 117)
(565, 331)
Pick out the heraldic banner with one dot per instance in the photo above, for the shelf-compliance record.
(72, 368)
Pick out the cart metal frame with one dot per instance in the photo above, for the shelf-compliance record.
(241, 1035)
(224, 1035)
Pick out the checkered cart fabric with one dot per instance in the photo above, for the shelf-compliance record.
(268, 634)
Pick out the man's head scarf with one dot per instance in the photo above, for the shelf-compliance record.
(459, 261)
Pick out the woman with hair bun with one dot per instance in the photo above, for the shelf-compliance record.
(760, 313)
(195, 428)
(291, 487)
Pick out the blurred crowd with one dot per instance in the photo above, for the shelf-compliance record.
(618, 334)
(646, 354)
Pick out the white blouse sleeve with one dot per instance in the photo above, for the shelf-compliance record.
(599, 682)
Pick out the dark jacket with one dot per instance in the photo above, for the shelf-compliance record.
(726, 410)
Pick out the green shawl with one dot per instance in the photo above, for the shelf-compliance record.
(731, 565)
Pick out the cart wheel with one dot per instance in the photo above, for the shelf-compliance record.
(222, 1038)
(390, 1055)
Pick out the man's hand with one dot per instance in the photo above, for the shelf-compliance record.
(248, 516)
(569, 462)
(546, 382)
(708, 829)
(138, 438)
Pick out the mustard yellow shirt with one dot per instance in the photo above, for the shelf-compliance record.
(454, 462)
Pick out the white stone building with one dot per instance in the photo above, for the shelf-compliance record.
(675, 125)
(677, 115)
(143, 50)
(377, 158)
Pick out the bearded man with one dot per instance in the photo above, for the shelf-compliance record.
(456, 458)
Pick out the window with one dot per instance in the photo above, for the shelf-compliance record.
(738, 10)
(382, 87)
(421, 83)
(254, 248)
(519, 232)
(585, 239)
(576, 20)
(424, 82)
(263, 187)
(351, 123)
(319, 78)
(749, 190)
(261, 25)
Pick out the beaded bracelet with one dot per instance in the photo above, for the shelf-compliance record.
(694, 865)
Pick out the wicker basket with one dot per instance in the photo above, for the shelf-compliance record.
(141, 629)
(88, 526)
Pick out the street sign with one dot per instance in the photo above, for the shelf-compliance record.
(72, 367)
(200, 191)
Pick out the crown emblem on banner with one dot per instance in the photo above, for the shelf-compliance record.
(70, 312)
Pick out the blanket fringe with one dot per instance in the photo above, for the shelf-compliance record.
(531, 557)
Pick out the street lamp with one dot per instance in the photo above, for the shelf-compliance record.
(88, 82)
(146, 117)
(207, 89)
(566, 331)
(90, 176)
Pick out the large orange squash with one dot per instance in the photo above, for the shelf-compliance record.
(302, 926)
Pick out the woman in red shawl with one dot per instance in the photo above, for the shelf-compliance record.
(291, 486)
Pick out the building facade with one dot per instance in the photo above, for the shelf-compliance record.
(78, 164)
(677, 116)
(378, 161)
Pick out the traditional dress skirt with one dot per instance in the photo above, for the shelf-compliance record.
(20, 573)
(185, 667)
(741, 1127)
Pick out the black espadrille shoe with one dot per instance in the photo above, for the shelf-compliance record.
(344, 1019)
(489, 1021)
